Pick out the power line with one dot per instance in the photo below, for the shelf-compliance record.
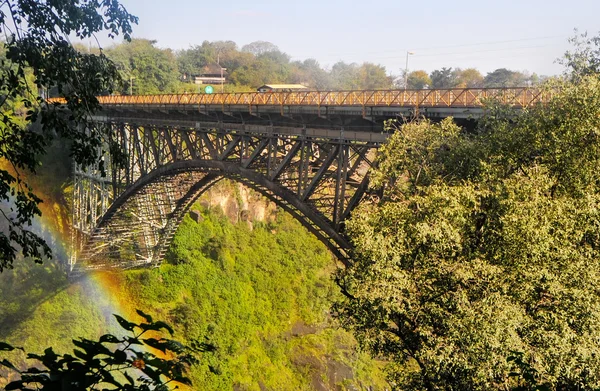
(442, 47)
(484, 51)
(494, 42)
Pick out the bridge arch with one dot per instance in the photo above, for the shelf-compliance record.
(309, 152)
(127, 207)
(132, 233)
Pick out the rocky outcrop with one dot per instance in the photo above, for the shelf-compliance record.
(238, 203)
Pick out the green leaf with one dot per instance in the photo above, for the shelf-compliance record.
(147, 317)
(120, 356)
(157, 326)
(109, 338)
(6, 347)
(129, 326)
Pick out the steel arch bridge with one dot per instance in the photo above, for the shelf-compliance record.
(128, 217)
(310, 152)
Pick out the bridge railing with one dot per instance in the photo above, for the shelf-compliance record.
(455, 97)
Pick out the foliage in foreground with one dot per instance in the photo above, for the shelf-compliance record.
(112, 363)
(484, 245)
(38, 55)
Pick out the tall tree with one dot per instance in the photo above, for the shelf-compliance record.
(503, 77)
(37, 44)
(372, 76)
(482, 245)
(418, 80)
(268, 67)
(443, 78)
(584, 58)
(469, 78)
(260, 47)
(310, 73)
(344, 76)
(145, 68)
(191, 61)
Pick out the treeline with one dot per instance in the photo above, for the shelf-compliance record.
(148, 69)
(471, 78)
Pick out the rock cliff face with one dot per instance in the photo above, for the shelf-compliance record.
(238, 202)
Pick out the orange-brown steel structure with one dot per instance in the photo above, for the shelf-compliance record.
(308, 151)
(456, 97)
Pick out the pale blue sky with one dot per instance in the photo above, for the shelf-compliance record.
(520, 35)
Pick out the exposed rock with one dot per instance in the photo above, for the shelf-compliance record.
(315, 367)
(318, 384)
(301, 328)
(337, 372)
(238, 203)
(245, 215)
(196, 216)
(232, 210)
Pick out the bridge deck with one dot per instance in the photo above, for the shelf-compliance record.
(455, 97)
(347, 110)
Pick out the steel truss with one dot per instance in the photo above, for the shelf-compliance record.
(128, 216)
(445, 97)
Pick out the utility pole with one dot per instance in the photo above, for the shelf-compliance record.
(222, 69)
(222, 78)
(406, 70)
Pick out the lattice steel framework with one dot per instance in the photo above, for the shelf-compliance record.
(451, 97)
(128, 217)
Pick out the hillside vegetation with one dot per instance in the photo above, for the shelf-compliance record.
(259, 291)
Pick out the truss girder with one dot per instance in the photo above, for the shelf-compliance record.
(451, 97)
(128, 216)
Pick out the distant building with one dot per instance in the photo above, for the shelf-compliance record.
(282, 88)
(211, 74)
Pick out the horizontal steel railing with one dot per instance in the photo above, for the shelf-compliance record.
(453, 97)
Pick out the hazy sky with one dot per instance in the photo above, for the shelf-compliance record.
(485, 34)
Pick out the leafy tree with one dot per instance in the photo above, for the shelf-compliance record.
(146, 68)
(268, 67)
(418, 80)
(260, 47)
(192, 60)
(584, 58)
(365, 77)
(483, 245)
(310, 72)
(503, 77)
(536, 80)
(443, 78)
(372, 76)
(469, 78)
(37, 45)
(111, 362)
(344, 76)
(224, 49)
(262, 62)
